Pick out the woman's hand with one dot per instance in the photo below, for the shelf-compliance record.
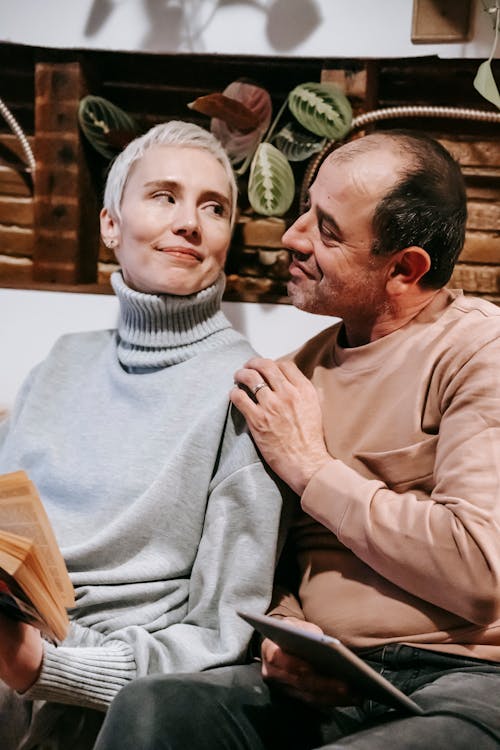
(21, 653)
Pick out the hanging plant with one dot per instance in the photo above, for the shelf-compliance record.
(321, 108)
(107, 127)
(271, 186)
(295, 144)
(484, 81)
(240, 137)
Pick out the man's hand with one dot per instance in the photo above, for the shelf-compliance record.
(299, 679)
(21, 653)
(285, 418)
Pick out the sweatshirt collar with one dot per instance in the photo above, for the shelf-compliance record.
(158, 330)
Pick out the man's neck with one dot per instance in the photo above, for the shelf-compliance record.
(389, 319)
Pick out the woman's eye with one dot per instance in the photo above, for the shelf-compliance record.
(217, 209)
(164, 196)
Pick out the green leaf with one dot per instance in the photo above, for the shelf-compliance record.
(297, 145)
(107, 127)
(485, 84)
(271, 185)
(321, 108)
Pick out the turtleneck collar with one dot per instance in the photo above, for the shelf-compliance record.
(158, 330)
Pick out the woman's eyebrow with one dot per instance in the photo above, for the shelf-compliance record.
(170, 184)
(214, 195)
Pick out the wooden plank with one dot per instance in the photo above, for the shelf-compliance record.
(14, 183)
(246, 289)
(484, 152)
(438, 21)
(17, 241)
(66, 223)
(16, 271)
(12, 143)
(477, 278)
(481, 247)
(16, 211)
(483, 190)
(483, 215)
(260, 232)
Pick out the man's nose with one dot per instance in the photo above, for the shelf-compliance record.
(298, 237)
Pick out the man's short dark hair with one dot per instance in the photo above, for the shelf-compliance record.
(427, 207)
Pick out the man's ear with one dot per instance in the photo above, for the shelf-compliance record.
(408, 267)
(110, 231)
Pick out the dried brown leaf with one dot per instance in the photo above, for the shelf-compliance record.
(240, 144)
(231, 111)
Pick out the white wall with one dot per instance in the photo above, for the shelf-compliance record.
(31, 321)
(315, 28)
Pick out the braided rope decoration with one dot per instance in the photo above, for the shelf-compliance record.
(457, 113)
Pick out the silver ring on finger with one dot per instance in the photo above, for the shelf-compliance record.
(257, 388)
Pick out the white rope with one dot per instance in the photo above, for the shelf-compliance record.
(19, 133)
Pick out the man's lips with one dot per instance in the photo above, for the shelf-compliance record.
(296, 268)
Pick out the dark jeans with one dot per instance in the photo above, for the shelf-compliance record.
(233, 709)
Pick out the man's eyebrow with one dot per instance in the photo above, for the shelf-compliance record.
(326, 219)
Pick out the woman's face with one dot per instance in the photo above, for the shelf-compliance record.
(175, 224)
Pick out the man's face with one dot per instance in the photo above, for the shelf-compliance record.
(175, 226)
(332, 270)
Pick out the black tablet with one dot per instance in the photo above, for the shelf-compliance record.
(330, 657)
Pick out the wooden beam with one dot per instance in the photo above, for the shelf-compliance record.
(66, 206)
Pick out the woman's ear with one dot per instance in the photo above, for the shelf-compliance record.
(110, 232)
(408, 268)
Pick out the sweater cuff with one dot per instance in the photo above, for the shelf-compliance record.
(332, 490)
(89, 677)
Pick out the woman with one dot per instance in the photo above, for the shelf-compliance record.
(166, 518)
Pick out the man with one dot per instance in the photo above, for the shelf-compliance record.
(387, 425)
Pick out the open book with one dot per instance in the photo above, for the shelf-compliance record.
(331, 657)
(34, 583)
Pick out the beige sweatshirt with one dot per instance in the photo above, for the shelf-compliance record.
(400, 540)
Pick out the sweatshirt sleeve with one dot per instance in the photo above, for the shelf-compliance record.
(441, 545)
(233, 569)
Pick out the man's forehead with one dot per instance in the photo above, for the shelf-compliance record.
(365, 170)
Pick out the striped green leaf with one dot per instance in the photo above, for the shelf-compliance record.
(297, 145)
(107, 127)
(271, 185)
(321, 108)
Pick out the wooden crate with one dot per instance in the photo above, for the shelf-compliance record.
(49, 231)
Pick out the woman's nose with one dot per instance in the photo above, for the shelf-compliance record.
(185, 222)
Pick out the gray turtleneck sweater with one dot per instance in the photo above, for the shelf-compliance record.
(165, 515)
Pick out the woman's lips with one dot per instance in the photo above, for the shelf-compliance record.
(184, 253)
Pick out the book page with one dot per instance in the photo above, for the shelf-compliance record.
(22, 513)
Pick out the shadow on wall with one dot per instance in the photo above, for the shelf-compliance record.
(179, 24)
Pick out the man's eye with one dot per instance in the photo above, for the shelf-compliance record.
(328, 234)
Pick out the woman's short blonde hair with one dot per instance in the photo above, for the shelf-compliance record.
(173, 133)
